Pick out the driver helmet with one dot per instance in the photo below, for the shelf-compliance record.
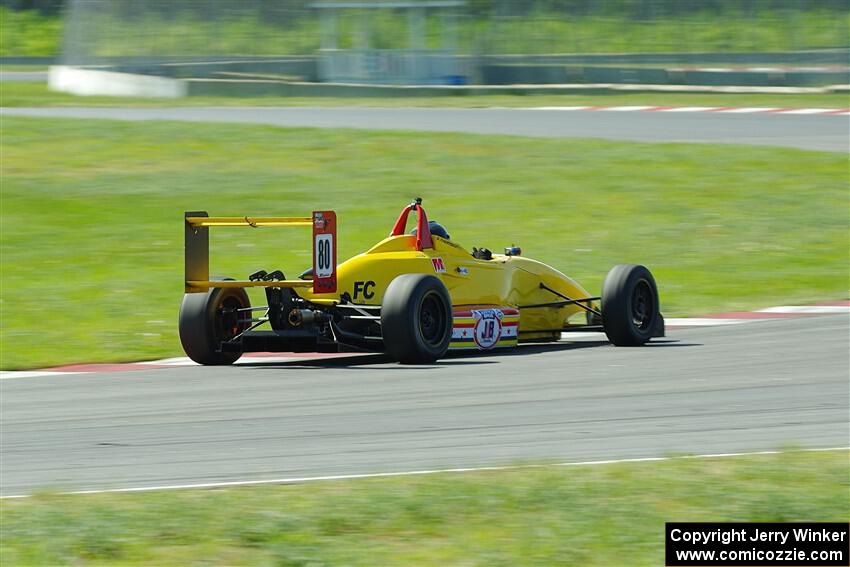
(436, 230)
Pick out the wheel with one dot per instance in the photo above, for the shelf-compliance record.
(416, 319)
(630, 312)
(208, 319)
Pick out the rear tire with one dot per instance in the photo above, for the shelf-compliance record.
(416, 319)
(208, 319)
(630, 309)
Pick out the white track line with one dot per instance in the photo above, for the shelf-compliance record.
(301, 480)
(10, 374)
(626, 108)
(703, 321)
(808, 111)
(750, 109)
(583, 336)
(558, 108)
(691, 109)
(807, 309)
(177, 361)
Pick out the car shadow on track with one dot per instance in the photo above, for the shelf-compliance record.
(566, 345)
(337, 361)
(452, 358)
(362, 360)
(668, 343)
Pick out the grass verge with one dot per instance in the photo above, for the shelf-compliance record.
(594, 515)
(10, 68)
(36, 94)
(92, 246)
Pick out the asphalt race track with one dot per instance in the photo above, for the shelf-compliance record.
(756, 386)
(811, 132)
(22, 76)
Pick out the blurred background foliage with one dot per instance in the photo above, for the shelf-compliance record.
(636, 9)
(265, 27)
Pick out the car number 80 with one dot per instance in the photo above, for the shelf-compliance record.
(324, 255)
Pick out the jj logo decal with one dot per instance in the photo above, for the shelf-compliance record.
(488, 327)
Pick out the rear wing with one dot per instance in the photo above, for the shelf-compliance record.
(197, 253)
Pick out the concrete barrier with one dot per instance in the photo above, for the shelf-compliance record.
(89, 82)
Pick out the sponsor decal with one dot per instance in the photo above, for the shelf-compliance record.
(439, 265)
(364, 289)
(484, 328)
(319, 220)
(488, 327)
(463, 271)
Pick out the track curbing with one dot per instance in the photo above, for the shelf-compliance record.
(715, 109)
(673, 323)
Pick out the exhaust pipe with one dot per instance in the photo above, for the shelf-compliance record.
(298, 317)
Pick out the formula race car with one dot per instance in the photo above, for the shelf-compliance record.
(412, 296)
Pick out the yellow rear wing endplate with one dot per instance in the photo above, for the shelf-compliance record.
(197, 250)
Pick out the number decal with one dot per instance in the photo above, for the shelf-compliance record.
(324, 255)
(324, 252)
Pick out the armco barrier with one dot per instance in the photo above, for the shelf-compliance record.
(530, 74)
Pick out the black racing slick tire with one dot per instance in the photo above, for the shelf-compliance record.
(208, 319)
(630, 309)
(416, 319)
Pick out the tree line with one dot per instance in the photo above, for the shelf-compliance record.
(637, 9)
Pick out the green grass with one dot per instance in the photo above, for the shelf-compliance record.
(92, 236)
(593, 515)
(36, 94)
(24, 68)
(27, 33)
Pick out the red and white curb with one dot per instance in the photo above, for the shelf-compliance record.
(250, 358)
(672, 323)
(733, 318)
(716, 109)
(738, 317)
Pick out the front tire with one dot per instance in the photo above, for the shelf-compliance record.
(630, 309)
(416, 319)
(208, 319)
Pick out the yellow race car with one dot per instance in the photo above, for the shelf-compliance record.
(412, 295)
